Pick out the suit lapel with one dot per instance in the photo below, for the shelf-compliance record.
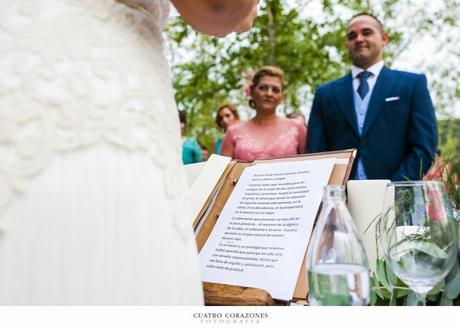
(382, 89)
(344, 96)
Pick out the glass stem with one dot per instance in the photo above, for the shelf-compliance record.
(421, 299)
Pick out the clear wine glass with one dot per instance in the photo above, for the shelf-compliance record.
(417, 234)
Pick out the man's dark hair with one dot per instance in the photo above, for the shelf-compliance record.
(370, 15)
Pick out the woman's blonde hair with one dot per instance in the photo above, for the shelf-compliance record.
(266, 71)
(270, 71)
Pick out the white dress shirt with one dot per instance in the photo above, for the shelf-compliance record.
(374, 69)
(361, 105)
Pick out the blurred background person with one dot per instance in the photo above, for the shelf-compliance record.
(441, 170)
(298, 117)
(191, 149)
(226, 116)
(267, 134)
(204, 153)
(437, 170)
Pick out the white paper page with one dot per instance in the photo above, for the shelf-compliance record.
(205, 182)
(262, 233)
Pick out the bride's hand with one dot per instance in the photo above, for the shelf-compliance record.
(218, 17)
(247, 22)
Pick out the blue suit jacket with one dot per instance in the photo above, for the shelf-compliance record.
(399, 136)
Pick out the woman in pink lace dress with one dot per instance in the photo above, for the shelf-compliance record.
(266, 135)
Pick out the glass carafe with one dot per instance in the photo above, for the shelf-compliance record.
(337, 267)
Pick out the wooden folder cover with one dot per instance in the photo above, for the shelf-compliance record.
(219, 294)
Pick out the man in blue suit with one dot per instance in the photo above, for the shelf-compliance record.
(386, 114)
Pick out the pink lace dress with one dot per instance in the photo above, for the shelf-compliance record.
(250, 141)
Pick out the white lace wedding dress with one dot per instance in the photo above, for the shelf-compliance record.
(93, 198)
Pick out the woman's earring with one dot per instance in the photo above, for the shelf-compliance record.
(252, 104)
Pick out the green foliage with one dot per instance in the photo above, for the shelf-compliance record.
(388, 289)
(310, 53)
(449, 139)
(207, 71)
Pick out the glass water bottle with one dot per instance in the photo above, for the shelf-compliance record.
(338, 271)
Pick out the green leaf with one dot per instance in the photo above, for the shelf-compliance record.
(381, 275)
(391, 277)
(373, 297)
(376, 287)
(453, 271)
(392, 299)
(452, 287)
(386, 293)
(445, 301)
(401, 292)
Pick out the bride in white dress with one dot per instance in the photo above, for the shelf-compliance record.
(92, 195)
